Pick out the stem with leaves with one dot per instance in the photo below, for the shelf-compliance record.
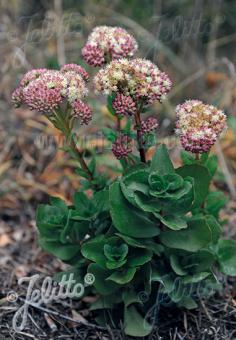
(64, 122)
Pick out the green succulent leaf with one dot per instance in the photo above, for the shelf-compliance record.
(50, 221)
(202, 179)
(80, 229)
(197, 236)
(134, 324)
(49, 216)
(173, 222)
(212, 164)
(198, 262)
(130, 296)
(102, 285)
(116, 253)
(214, 226)
(106, 302)
(215, 201)
(161, 161)
(115, 264)
(158, 184)
(187, 302)
(93, 250)
(101, 200)
(122, 277)
(139, 257)
(227, 256)
(67, 229)
(64, 252)
(83, 205)
(59, 203)
(195, 278)
(177, 266)
(181, 201)
(147, 204)
(135, 181)
(127, 219)
(137, 243)
(187, 157)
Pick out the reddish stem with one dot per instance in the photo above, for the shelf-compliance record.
(139, 136)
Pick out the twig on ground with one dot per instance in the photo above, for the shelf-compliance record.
(205, 310)
(52, 312)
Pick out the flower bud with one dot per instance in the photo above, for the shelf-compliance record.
(122, 146)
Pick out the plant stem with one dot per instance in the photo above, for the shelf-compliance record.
(197, 156)
(118, 124)
(78, 154)
(139, 135)
(66, 128)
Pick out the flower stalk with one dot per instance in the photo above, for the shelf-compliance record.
(139, 135)
(65, 124)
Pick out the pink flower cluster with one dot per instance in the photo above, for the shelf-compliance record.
(32, 75)
(76, 69)
(44, 90)
(82, 111)
(199, 125)
(105, 43)
(122, 146)
(124, 105)
(138, 78)
(149, 125)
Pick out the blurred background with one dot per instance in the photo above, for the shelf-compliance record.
(193, 41)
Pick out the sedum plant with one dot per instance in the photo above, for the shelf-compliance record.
(153, 235)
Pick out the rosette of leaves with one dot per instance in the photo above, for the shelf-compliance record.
(63, 228)
(154, 230)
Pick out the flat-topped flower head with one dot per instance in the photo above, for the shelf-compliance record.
(122, 146)
(76, 69)
(44, 90)
(38, 96)
(54, 79)
(106, 43)
(199, 125)
(138, 78)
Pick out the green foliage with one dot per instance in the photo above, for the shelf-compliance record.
(154, 230)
